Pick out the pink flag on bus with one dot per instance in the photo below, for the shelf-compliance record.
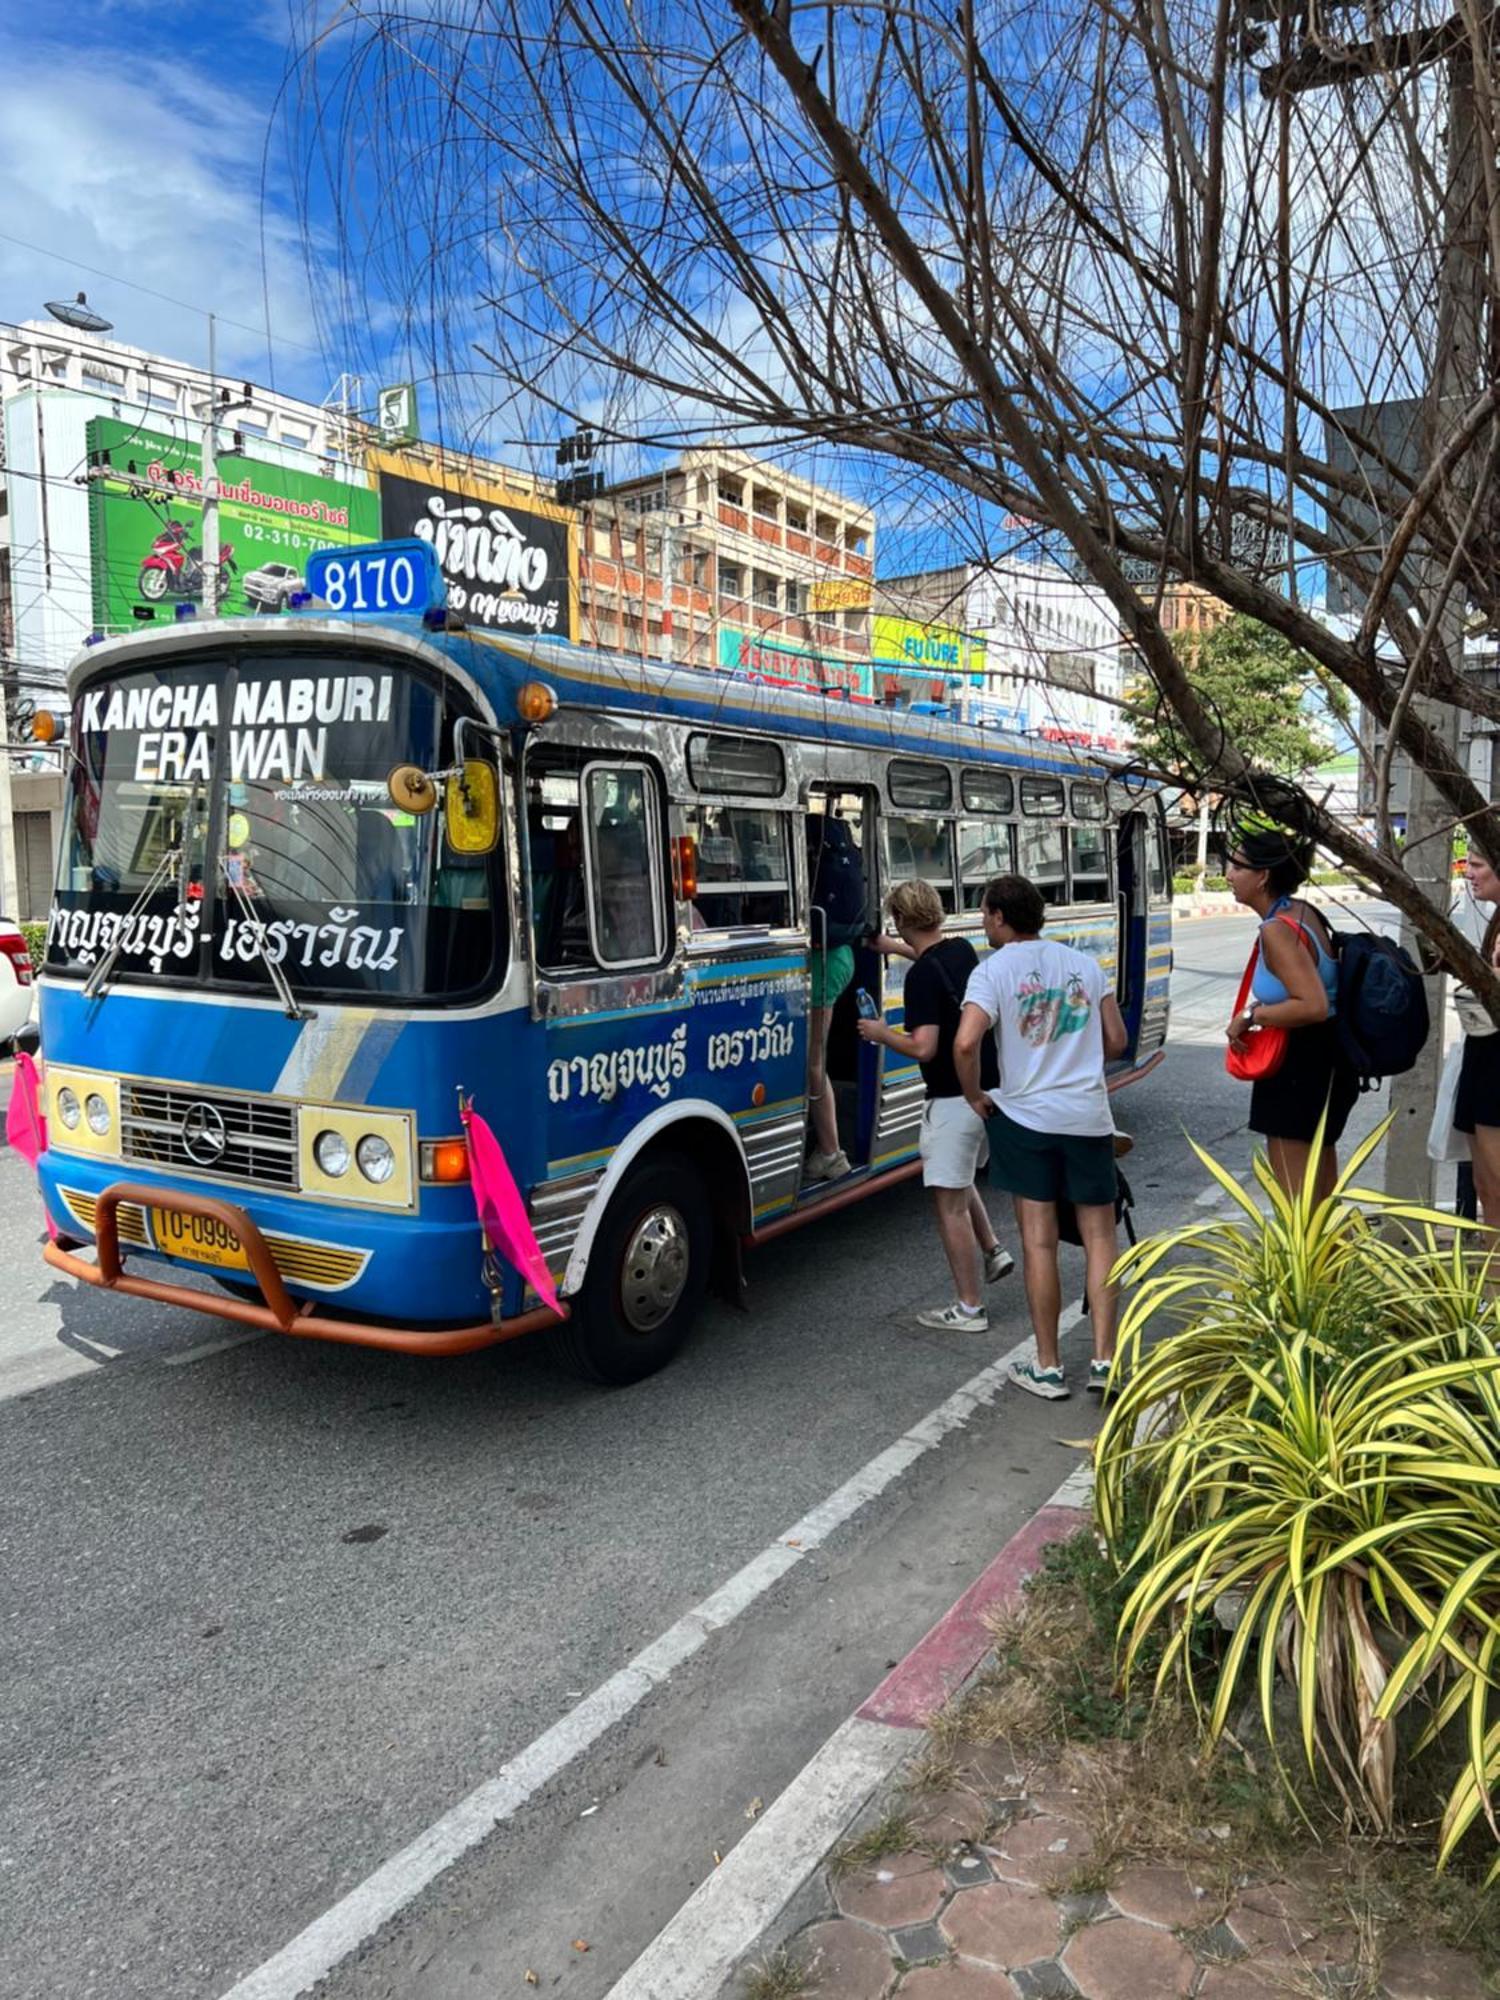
(25, 1127)
(502, 1210)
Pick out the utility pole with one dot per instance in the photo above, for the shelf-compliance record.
(219, 406)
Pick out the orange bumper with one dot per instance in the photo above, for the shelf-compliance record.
(278, 1314)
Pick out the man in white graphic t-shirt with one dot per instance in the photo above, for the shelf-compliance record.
(1055, 1023)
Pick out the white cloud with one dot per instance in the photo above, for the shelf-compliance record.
(150, 171)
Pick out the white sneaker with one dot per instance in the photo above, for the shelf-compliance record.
(998, 1264)
(1101, 1374)
(1049, 1383)
(956, 1319)
(826, 1166)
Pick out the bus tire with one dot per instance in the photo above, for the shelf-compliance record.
(647, 1273)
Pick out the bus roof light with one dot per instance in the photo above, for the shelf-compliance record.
(536, 702)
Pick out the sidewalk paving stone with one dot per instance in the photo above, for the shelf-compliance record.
(1431, 1972)
(901, 1889)
(1002, 1924)
(950, 1817)
(1041, 1851)
(848, 1961)
(1165, 1896)
(1244, 1982)
(1124, 1960)
(957, 1982)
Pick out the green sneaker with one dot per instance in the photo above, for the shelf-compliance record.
(1049, 1383)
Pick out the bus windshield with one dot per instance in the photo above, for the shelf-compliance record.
(227, 812)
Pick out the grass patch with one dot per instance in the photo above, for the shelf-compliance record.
(778, 1977)
(892, 1835)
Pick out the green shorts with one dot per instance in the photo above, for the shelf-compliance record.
(1052, 1166)
(831, 972)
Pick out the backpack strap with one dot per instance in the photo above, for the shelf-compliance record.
(945, 980)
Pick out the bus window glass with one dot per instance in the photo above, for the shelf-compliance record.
(921, 848)
(986, 848)
(1043, 797)
(926, 787)
(989, 792)
(744, 877)
(1090, 863)
(624, 871)
(554, 830)
(316, 870)
(1156, 847)
(1089, 801)
(742, 764)
(1044, 861)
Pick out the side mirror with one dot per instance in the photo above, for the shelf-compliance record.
(471, 808)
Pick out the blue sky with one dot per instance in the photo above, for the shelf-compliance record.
(132, 140)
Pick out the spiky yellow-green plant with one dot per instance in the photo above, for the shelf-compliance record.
(1317, 1434)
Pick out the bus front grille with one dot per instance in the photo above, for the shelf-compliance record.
(248, 1139)
(327, 1266)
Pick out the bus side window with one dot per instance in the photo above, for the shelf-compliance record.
(554, 837)
(920, 848)
(1044, 858)
(986, 848)
(744, 870)
(625, 875)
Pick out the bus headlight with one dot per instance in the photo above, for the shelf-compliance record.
(333, 1140)
(83, 1107)
(331, 1151)
(376, 1160)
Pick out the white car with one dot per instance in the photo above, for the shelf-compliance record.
(272, 585)
(17, 985)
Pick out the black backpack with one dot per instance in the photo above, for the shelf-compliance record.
(838, 878)
(1382, 1021)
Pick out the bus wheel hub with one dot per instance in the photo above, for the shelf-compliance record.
(655, 1268)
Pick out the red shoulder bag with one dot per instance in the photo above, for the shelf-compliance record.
(1261, 1051)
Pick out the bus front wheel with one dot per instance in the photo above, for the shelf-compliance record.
(647, 1274)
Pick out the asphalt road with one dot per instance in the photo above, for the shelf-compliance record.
(268, 1610)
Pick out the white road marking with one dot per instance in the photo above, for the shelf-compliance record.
(732, 1907)
(698, 1948)
(220, 1346)
(314, 1952)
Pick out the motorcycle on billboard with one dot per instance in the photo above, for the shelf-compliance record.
(173, 567)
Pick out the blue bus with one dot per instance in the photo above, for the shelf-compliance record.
(323, 874)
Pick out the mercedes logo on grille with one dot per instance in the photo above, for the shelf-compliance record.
(204, 1135)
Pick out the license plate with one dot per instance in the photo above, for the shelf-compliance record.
(199, 1237)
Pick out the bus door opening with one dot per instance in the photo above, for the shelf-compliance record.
(841, 818)
(1132, 875)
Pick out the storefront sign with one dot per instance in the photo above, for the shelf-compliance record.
(777, 659)
(839, 593)
(906, 646)
(509, 565)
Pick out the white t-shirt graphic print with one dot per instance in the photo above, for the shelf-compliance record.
(1044, 1001)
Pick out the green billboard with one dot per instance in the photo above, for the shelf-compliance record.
(146, 527)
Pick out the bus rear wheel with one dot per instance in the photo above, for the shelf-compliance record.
(647, 1274)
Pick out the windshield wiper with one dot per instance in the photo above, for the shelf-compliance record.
(257, 931)
(96, 986)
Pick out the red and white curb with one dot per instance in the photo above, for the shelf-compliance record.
(723, 1918)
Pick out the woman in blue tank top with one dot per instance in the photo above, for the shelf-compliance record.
(1295, 987)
